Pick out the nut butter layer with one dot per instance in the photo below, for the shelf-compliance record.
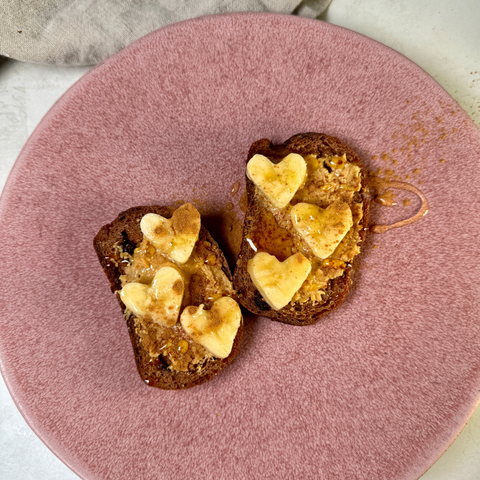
(324, 221)
(166, 355)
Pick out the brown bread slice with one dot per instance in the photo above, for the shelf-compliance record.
(309, 312)
(124, 235)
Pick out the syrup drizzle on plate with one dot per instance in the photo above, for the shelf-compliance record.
(379, 184)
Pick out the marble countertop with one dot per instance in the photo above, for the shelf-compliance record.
(439, 35)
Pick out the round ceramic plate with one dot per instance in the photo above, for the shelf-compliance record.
(377, 390)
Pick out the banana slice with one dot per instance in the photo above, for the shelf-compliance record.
(322, 229)
(216, 328)
(279, 182)
(176, 236)
(278, 281)
(161, 300)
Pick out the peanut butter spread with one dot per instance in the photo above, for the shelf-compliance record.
(328, 180)
(204, 282)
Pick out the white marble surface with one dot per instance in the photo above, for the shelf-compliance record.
(441, 36)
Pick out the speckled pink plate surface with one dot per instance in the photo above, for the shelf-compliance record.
(377, 391)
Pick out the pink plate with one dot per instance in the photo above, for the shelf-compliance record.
(377, 391)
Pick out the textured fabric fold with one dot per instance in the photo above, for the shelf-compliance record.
(85, 32)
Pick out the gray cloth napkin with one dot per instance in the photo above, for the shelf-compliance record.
(85, 32)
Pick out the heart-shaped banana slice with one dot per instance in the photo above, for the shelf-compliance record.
(279, 182)
(322, 228)
(161, 300)
(215, 329)
(176, 236)
(278, 281)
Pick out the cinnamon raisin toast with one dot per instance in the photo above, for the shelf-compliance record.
(334, 174)
(166, 357)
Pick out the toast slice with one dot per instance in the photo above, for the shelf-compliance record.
(334, 173)
(166, 356)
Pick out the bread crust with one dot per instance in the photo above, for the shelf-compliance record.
(306, 313)
(125, 231)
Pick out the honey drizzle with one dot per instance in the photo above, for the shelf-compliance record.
(381, 184)
(386, 199)
(234, 189)
(271, 238)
